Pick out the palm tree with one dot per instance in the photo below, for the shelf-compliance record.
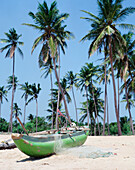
(93, 75)
(91, 107)
(9, 87)
(64, 85)
(104, 77)
(49, 110)
(12, 42)
(86, 79)
(10, 83)
(30, 117)
(71, 78)
(83, 81)
(26, 88)
(55, 96)
(47, 67)
(49, 22)
(104, 28)
(3, 95)
(34, 92)
(98, 103)
(16, 112)
(127, 65)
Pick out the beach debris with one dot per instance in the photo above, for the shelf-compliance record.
(8, 144)
(45, 164)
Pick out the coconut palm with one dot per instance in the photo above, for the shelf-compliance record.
(86, 78)
(127, 65)
(10, 82)
(47, 67)
(55, 93)
(12, 42)
(26, 88)
(93, 75)
(30, 117)
(64, 85)
(58, 96)
(98, 103)
(12, 86)
(71, 78)
(50, 23)
(16, 112)
(104, 77)
(104, 27)
(3, 95)
(55, 96)
(49, 110)
(83, 81)
(34, 92)
(91, 107)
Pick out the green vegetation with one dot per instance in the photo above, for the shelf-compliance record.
(43, 124)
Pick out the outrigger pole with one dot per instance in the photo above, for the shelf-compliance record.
(22, 125)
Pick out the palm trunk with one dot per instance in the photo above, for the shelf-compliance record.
(24, 112)
(58, 101)
(57, 78)
(52, 98)
(118, 99)
(114, 88)
(0, 110)
(75, 105)
(108, 117)
(16, 123)
(105, 101)
(91, 127)
(96, 114)
(13, 90)
(131, 122)
(95, 126)
(86, 88)
(36, 114)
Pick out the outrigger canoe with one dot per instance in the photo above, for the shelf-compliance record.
(43, 145)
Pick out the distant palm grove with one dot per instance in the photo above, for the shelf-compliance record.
(118, 65)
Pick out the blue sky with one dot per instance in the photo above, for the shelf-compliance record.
(12, 15)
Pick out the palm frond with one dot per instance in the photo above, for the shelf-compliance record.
(4, 41)
(6, 47)
(34, 26)
(92, 15)
(36, 42)
(124, 13)
(20, 51)
(127, 26)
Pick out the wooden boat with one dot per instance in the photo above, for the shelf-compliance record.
(43, 145)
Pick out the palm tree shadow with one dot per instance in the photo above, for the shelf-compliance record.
(32, 159)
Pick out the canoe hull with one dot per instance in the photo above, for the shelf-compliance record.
(43, 146)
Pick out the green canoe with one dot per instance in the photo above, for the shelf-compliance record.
(44, 145)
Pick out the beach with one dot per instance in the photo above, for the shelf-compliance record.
(122, 157)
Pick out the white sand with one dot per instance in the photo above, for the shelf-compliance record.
(123, 158)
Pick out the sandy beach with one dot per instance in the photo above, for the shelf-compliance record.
(122, 157)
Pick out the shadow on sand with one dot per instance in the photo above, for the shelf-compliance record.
(34, 159)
